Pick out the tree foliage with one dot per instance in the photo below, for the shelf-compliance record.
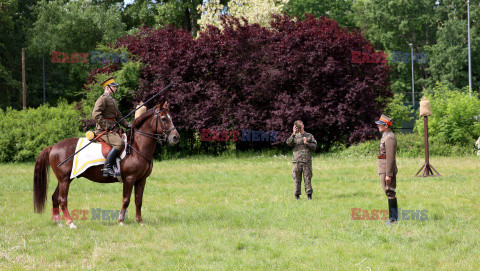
(15, 19)
(255, 11)
(140, 13)
(449, 54)
(392, 26)
(70, 27)
(338, 10)
(436, 28)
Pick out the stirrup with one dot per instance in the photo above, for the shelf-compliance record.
(108, 172)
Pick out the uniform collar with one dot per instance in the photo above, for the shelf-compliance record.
(108, 95)
(386, 133)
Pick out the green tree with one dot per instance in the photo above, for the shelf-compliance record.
(140, 13)
(338, 10)
(392, 26)
(449, 55)
(75, 26)
(178, 13)
(15, 18)
(151, 13)
(69, 27)
(8, 84)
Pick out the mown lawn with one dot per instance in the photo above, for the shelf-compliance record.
(217, 213)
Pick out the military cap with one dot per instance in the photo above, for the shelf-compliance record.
(384, 120)
(109, 82)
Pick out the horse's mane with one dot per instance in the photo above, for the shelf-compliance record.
(140, 120)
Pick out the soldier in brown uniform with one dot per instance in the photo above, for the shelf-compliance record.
(302, 143)
(387, 165)
(106, 113)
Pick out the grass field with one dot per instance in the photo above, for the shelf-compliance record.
(240, 214)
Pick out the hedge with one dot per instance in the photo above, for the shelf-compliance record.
(25, 133)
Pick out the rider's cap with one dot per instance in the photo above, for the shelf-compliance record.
(109, 82)
(384, 120)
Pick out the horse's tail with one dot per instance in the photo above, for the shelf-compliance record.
(40, 180)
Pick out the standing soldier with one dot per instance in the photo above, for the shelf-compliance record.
(302, 143)
(387, 166)
(106, 113)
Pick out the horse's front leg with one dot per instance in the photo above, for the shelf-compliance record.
(139, 186)
(127, 192)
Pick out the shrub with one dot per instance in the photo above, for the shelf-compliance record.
(251, 77)
(25, 133)
(397, 111)
(455, 117)
(408, 145)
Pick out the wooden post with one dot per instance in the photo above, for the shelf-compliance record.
(24, 84)
(427, 168)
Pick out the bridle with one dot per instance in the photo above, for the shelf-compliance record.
(162, 137)
(159, 137)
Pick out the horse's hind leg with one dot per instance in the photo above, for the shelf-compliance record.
(55, 209)
(63, 185)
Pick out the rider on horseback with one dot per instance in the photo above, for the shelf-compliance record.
(106, 113)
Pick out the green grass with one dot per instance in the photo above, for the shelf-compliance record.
(240, 214)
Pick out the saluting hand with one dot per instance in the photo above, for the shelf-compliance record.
(295, 129)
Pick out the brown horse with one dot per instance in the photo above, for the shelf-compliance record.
(155, 125)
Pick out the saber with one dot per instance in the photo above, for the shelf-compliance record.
(116, 123)
(93, 140)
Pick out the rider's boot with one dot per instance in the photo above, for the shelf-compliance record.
(111, 159)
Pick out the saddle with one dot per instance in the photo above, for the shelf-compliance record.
(92, 155)
(106, 148)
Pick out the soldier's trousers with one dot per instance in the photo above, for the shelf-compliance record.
(304, 168)
(114, 140)
(389, 189)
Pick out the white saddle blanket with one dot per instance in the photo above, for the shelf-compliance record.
(88, 157)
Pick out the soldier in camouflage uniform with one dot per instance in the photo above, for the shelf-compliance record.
(387, 166)
(106, 113)
(302, 143)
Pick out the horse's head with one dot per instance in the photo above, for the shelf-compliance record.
(163, 125)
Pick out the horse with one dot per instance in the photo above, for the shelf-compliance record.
(155, 125)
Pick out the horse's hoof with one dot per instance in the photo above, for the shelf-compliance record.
(72, 226)
(59, 223)
(121, 224)
(141, 224)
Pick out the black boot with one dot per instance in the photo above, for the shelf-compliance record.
(309, 196)
(392, 211)
(111, 160)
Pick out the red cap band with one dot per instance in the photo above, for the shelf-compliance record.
(386, 121)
